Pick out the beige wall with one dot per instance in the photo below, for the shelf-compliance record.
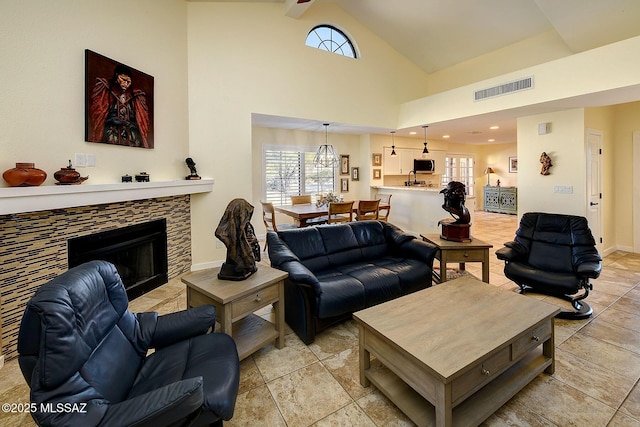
(42, 84)
(565, 146)
(250, 58)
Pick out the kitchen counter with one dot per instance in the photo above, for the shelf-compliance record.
(417, 209)
(404, 187)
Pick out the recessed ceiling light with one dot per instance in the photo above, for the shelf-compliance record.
(446, 136)
(491, 140)
(412, 133)
(494, 127)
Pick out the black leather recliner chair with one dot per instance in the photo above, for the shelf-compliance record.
(83, 352)
(555, 255)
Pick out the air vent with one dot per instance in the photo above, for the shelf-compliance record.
(504, 89)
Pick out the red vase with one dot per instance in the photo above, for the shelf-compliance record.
(24, 175)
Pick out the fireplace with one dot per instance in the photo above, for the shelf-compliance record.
(139, 253)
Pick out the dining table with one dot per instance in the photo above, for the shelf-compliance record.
(301, 214)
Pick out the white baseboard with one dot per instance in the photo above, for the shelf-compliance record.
(205, 265)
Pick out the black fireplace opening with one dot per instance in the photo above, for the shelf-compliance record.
(139, 253)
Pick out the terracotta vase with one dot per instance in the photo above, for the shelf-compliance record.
(24, 175)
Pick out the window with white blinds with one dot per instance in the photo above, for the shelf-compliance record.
(459, 168)
(290, 171)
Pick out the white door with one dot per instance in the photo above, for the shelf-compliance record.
(594, 184)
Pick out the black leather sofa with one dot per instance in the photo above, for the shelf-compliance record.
(335, 270)
(84, 356)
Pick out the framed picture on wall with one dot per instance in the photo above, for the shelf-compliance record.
(355, 174)
(513, 164)
(344, 185)
(344, 164)
(118, 103)
(377, 174)
(376, 159)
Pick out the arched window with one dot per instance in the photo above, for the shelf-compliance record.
(331, 39)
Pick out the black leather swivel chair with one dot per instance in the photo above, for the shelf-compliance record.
(554, 254)
(81, 347)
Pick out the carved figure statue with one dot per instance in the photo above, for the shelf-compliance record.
(237, 234)
(546, 163)
(454, 198)
(192, 167)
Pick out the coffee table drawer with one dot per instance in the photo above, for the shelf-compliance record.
(480, 374)
(531, 339)
(254, 301)
(466, 255)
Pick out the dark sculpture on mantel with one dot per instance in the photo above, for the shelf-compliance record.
(237, 234)
(457, 229)
(192, 167)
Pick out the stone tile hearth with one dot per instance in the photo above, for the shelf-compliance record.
(595, 383)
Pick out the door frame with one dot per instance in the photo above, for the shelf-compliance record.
(597, 234)
(636, 191)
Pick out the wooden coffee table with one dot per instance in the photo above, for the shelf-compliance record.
(456, 352)
(235, 302)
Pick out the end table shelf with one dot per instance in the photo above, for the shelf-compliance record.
(236, 301)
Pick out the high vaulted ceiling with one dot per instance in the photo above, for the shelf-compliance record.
(436, 34)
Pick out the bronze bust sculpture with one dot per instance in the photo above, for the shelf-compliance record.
(454, 198)
(192, 168)
(458, 228)
(237, 234)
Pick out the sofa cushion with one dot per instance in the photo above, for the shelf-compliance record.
(338, 293)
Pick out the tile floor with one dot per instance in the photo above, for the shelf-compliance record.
(595, 383)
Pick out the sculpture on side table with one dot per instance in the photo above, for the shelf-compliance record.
(237, 234)
(458, 228)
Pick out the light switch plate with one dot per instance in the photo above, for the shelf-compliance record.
(80, 160)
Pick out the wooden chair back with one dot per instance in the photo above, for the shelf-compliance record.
(383, 212)
(269, 216)
(304, 199)
(340, 212)
(367, 209)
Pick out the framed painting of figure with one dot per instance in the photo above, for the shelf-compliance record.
(118, 103)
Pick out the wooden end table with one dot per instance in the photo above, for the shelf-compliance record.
(462, 252)
(236, 301)
(456, 352)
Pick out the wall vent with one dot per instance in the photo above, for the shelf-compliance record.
(504, 89)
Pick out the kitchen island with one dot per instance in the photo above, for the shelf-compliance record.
(417, 209)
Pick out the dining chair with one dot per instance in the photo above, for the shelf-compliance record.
(269, 220)
(383, 212)
(304, 199)
(367, 209)
(340, 212)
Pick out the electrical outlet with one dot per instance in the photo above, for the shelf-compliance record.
(80, 160)
(91, 160)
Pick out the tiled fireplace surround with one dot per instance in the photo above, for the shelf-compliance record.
(34, 247)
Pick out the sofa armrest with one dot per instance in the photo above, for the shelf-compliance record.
(300, 275)
(589, 270)
(512, 251)
(418, 249)
(182, 325)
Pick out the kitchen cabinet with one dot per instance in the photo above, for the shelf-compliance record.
(402, 163)
(501, 199)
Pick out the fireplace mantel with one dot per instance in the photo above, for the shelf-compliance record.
(32, 199)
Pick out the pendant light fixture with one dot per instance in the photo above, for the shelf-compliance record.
(326, 155)
(393, 144)
(425, 151)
